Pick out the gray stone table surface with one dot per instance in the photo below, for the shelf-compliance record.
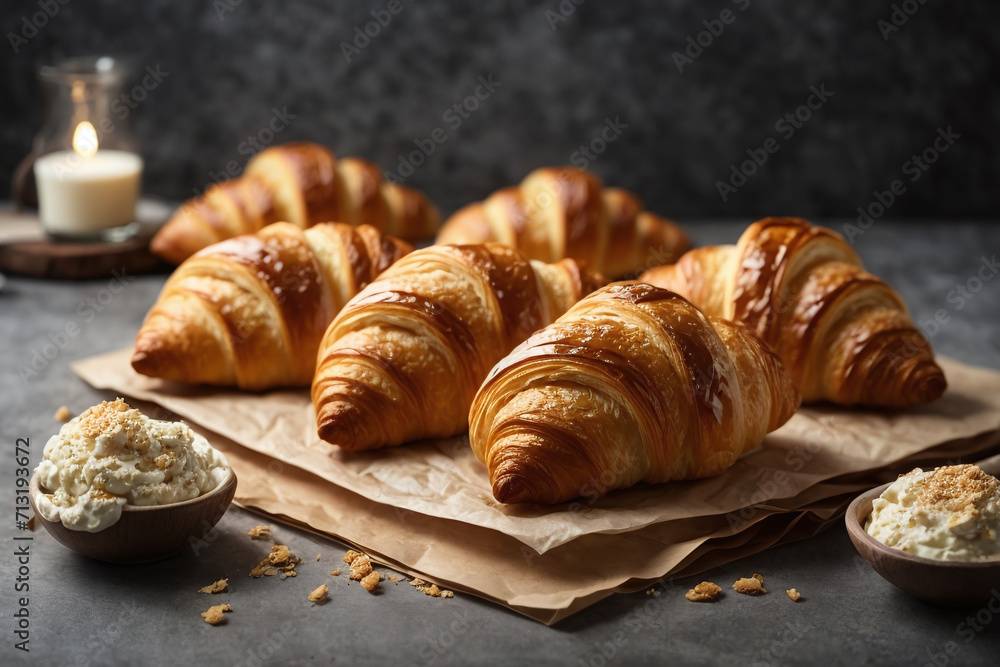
(87, 613)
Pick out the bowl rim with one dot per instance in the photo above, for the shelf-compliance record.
(855, 528)
(35, 487)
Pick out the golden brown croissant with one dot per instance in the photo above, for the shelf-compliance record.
(632, 384)
(250, 312)
(564, 212)
(844, 335)
(302, 183)
(404, 358)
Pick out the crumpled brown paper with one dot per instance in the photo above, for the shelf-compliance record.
(443, 478)
(394, 504)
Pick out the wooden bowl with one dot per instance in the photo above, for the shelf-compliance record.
(950, 583)
(147, 533)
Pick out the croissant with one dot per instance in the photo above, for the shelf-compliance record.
(250, 312)
(404, 358)
(564, 212)
(844, 335)
(632, 384)
(302, 183)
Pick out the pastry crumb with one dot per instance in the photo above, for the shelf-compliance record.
(793, 594)
(319, 594)
(361, 567)
(447, 594)
(260, 533)
(317, 557)
(393, 579)
(750, 586)
(706, 591)
(214, 614)
(653, 593)
(63, 414)
(335, 573)
(218, 587)
(371, 581)
(280, 559)
(351, 555)
(417, 581)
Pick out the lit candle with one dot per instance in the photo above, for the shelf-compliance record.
(85, 191)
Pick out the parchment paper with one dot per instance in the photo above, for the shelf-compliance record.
(443, 479)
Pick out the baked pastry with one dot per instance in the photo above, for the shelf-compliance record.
(302, 183)
(632, 384)
(845, 336)
(564, 212)
(250, 312)
(404, 358)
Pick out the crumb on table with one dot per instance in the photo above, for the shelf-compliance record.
(706, 591)
(319, 594)
(214, 614)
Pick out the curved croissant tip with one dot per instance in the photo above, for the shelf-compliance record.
(925, 384)
(513, 488)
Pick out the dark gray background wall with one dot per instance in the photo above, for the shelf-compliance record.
(231, 62)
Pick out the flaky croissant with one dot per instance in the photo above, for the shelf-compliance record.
(404, 358)
(250, 312)
(844, 335)
(302, 183)
(632, 384)
(564, 212)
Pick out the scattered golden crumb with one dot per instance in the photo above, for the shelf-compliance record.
(653, 593)
(793, 594)
(759, 577)
(447, 594)
(751, 586)
(418, 582)
(319, 594)
(706, 591)
(218, 587)
(360, 567)
(371, 581)
(393, 579)
(351, 555)
(214, 614)
(260, 533)
(63, 414)
(335, 573)
(317, 557)
(280, 559)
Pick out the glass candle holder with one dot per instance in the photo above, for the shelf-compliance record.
(87, 169)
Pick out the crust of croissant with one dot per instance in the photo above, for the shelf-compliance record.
(250, 311)
(844, 335)
(565, 212)
(403, 360)
(301, 183)
(632, 384)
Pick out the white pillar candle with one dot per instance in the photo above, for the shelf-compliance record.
(80, 195)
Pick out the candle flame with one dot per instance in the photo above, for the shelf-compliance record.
(85, 140)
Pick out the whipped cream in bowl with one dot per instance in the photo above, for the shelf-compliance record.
(934, 533)
(112, 466)
(949, 513)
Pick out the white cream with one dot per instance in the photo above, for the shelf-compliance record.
(950, 513)
(113, 455)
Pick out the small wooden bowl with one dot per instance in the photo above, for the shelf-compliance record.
(144, 534)
(950, 583)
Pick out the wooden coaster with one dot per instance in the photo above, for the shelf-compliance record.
(27, 251)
